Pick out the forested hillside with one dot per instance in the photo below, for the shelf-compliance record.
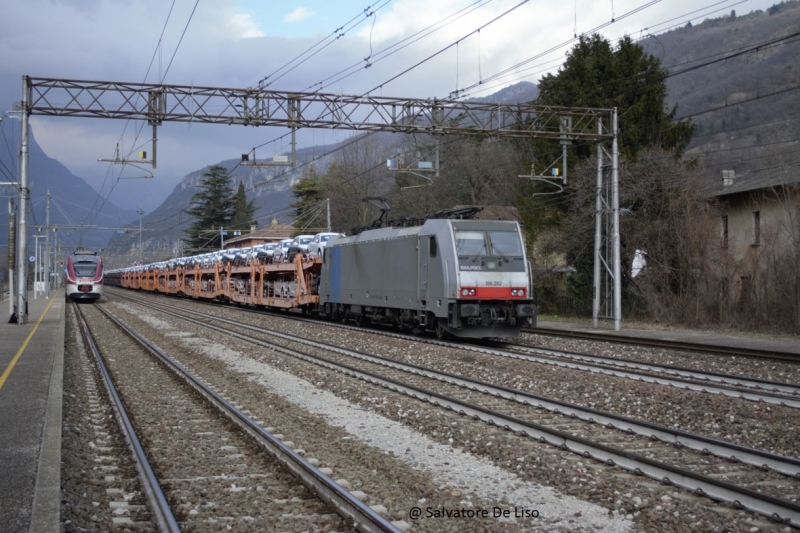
(738, 78)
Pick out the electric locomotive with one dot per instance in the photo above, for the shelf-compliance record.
(84, 276)
(466, 278)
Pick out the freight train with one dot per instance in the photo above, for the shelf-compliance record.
(461, 278)
(84, 276)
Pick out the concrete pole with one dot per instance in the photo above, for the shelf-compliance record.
(47, 249)
(36, 265)
(615, 231)
(12, 255)
(328, 206)
(141, 212)
(22, 229)
(56, 266)
(598, 231)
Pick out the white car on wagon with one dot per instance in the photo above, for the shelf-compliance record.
(317, 244)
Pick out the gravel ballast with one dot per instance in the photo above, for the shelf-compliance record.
(627, 501)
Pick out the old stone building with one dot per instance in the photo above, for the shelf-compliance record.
(760, 241)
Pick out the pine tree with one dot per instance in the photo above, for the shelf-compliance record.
(628, 78)
(597, 75)
(212, 205)
(243, 211)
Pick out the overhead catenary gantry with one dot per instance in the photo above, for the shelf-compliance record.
(159, 103)
(257, 107)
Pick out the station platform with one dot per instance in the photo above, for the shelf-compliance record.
(31, 373)
(722, 337)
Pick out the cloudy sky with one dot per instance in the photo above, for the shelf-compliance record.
(238, 43)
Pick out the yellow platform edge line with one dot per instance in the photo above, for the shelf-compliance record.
(13, 362)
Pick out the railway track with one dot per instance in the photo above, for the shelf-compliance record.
(212, 476)
(753, 389)
(757, 390)
(694, 347)
(751, 478)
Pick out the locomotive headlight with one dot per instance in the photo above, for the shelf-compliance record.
(518, 292)
(467, 291)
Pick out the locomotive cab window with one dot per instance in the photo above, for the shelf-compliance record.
(490, 250)
(432, 246)
(506, 244)
(470, 244)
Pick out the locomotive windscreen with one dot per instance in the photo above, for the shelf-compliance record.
(490, 250)
(470, 244)
(506, 243)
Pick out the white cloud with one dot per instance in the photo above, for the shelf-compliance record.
(230, 43)
(244, 26)
(301, 13)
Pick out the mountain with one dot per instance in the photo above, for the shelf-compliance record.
(163, 228)
(520, 92)
(737, 77)
(73, 202)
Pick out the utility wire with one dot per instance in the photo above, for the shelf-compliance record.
(409, 69)
(337, 33)
(440, 51)
(177, 47)
(514, 70)
(389, 51)
(495, 75)
(754, 48)
(745, 101)
(396, 47)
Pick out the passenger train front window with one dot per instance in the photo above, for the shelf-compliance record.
(84, 268)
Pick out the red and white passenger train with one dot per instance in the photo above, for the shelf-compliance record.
(84, 276)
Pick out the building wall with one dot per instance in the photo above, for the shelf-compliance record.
(760, 266)
(760, 220)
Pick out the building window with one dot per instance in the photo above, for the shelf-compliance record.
(724, 231)
(756, 228)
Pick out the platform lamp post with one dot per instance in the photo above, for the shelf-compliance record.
(46, 254)
(57, 266)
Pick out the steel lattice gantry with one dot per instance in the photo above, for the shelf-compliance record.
(256, 107)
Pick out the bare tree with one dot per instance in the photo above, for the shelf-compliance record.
(472, 172)
(357, 172)
(668, 218)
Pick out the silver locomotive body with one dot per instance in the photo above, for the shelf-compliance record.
(466, 278)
